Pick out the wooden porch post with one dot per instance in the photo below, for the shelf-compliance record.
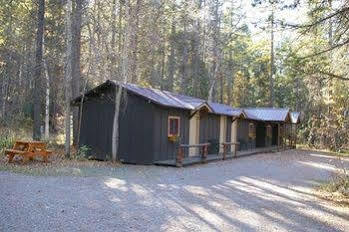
(295, 136)
(236, 149)
(279, 135)
(179, 157)
(204, 153)
(283, 136)
(291, 136)
(225, 148)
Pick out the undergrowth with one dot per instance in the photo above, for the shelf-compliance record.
(7, 139)
(342, 153)
(337, 188)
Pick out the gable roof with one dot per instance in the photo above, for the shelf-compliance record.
(163, 98)
(174, 100)
(268, 114)
(225, 109)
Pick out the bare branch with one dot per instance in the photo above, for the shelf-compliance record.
(298, 26)
(333, 76)
(326, 50)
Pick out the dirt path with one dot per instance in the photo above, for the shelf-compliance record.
(266, 192)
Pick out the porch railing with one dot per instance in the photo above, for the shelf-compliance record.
(226, 148)
(180, 153)
(204, 151)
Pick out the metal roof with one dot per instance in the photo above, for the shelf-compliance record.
(267, 114)
(169, 99)
(164, 98)
(225, 109)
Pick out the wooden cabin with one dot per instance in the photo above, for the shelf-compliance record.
(152, 124)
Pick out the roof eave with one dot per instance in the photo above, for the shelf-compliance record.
(76, 101)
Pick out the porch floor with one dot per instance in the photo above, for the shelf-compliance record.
(191, 160)
(258, 150)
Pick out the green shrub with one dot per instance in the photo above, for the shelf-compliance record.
(82, 153)
(6, 140)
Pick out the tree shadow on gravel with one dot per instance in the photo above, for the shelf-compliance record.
(216, 198)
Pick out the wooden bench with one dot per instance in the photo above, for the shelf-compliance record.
(28, 150)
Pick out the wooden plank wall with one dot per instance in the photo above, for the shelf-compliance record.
(242, 135)
(228, 131)
(96, 129)
(163, 148)
(136, 129)
(209, 127)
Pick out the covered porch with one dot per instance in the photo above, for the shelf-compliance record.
(202, 158)
(240, 137)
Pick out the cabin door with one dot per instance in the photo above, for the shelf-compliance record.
(260, 135)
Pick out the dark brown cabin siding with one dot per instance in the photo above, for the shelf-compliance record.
(261, 134)
(95, 132)
(209, 127)
(96, 129)
(136, 128)
(163, 148)
(275, 135)
(242, 135)
(228, 135)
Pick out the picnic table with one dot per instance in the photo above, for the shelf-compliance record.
(28, 149)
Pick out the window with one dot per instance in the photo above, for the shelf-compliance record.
(173, 126)
(269, 131)
(251, 131)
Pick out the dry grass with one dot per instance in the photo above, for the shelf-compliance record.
(337, 188)
(336, 191)
(58, 166)
(324, 151)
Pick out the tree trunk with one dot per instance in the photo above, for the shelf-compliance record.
(196, 54)
(76, 69)
(92, 52)
(162, 66)
(112, 69)
(80, 112)
(119, 89)
(216, 51)
(213, 83)
(271, 77)
(120, 39)
(68, 77)
(330, 43)
(37, 71)
(134, 60)
(230, 77)
(47, 102)
(184, 50)
(221, 87)
(171, 59)
(184, 63)
(4, 91)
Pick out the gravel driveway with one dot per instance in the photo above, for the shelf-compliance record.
(265, 192)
